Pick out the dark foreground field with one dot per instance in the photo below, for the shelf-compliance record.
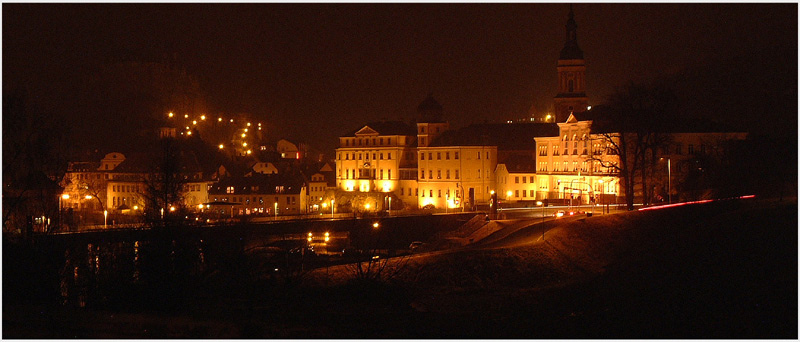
(721, 270)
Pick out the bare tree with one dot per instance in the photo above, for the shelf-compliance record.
(633, 127)
(34, 159)
(164, 184)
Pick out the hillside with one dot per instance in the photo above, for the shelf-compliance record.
(720, 270)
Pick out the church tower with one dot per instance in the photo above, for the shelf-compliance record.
(571, 75)
(430, 123)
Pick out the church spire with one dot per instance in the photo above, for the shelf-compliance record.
(571, 49)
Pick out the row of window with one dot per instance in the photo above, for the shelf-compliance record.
(125, 188)
(524, 179)
(367, 173)
(117, 201)
(259, 200)
(439, 174)
(439, 155)
(375, 156)
(279, 189)
(439, 193)
(368, 142)
(596, 167)
(422, 174)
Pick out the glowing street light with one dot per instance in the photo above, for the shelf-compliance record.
(309, 237)
(376, 225)
(105, 219)
(220, 119)
(366, 206)
(171, 208)
(186, 116)
(194, 122)
(276, 210)
(244, 144)
(244, 135)
(170, 114)
(327, 236)
(202, 117)
(602, 196)
(542, 204)
(221, 146)
(248, 124)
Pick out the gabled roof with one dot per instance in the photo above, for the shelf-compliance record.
(387, 128)
(516, 136)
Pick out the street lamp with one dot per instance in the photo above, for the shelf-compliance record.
(64, 196)
(602, 196)
(276, 210)
(542, 204)
(333, 206)
(105, 219)
(669, 179)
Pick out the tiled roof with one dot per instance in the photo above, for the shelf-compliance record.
(387, 128)
(515, 136)
(520, 163)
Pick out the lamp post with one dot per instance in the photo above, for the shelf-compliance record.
(333, 206)
(390, 206)
(105, 219)
(276, 211)
(669, 180)
(542, 204)
(60, 208)
(602, 196)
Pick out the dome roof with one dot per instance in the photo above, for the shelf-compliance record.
(429, 103)
(429, 110)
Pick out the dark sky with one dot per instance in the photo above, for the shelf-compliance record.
(316, 71)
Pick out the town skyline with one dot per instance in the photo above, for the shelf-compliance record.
(339, 66)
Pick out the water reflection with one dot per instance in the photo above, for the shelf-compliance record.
(98, 273)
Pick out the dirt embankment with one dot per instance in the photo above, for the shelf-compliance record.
(719, 270)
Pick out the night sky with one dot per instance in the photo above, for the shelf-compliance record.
(312, 72)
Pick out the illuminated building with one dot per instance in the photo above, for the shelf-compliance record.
(258, 195)
(376, 157)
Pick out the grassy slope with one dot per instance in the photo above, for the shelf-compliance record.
(719, 270)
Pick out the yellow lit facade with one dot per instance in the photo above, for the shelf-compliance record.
(369, 161)
(456, 176)
(565, 169)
